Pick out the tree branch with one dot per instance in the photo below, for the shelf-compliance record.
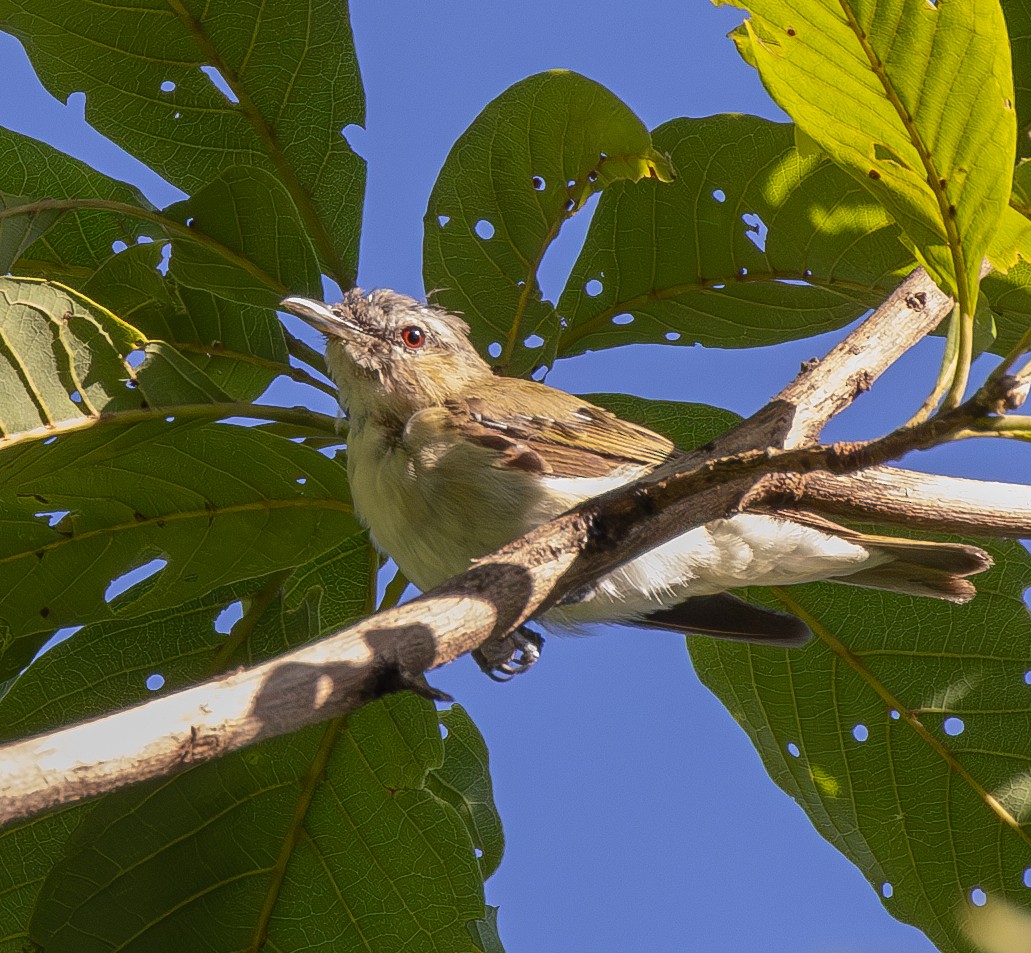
(921, 500)
(391, 650)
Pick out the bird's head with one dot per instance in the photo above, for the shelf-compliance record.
(391, 356)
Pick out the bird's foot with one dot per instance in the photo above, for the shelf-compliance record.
(503, 659)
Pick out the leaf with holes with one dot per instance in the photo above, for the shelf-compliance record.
(526, 164)
(237, 346)
(61, 357)
(902, 731)
(276, 843)
(193, 91)
(914, 100)
(754, 243)
(331, 831)
(215, 502)
(65, 362)
(58, 217)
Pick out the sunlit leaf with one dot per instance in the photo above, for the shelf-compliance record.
(60, 357)
(754, 243)
(901, 730)
(913, 99)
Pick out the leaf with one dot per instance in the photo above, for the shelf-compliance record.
(154, 78)
(687, 425)
(27, 853)
(19, 231)
(60, 357)
(267, 835)
(463, 781)
(64, 360)
(236, 346)
(901, 731)
(64, 245)
(754, 243)
(302, 837)
(216, 503)
(529, 161)
(1018, 22)
(105, 667)
(1009, 297)
(914, 100)
(249, 213)
(485, 932)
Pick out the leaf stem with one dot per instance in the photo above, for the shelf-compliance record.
(305, 352)
(963, 358)
(299, 416)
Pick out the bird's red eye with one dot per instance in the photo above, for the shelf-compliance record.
(413, 337)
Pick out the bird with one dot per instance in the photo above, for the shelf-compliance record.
(448, 461)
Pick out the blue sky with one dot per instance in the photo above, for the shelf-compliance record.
(637, 814)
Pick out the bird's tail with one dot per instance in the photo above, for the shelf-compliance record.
(914, 567)
(919, 568)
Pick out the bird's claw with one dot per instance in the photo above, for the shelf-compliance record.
(503, 659)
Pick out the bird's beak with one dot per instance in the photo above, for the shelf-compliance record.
(320, 316)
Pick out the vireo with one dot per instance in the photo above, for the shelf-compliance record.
(447, 462)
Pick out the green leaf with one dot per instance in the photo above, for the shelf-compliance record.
(463, 781)
(1018, 22)
(526, 164)
(856, 727)
(105, 667)
(754, 243)
(315, 835)
(64, 245)
(248, 213)
(61, 357)
(687, 425)
(19, 231)
(913, 99)
(1021, 199)
(275, 840)
(218, 503)
(27, 853)
(1009, 297)
(485, 932)
(142, 68)
(236, 346)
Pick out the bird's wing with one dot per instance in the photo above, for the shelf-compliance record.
(725, 616)
(574, 438)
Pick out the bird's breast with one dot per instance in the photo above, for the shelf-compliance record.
(434, 504)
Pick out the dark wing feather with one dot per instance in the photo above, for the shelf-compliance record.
(572, 438)
(728, 617)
